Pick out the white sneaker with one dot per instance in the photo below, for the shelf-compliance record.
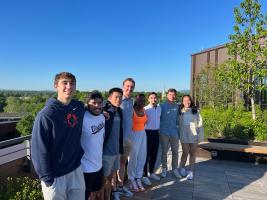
(140, 185)
(176, 173)
(164, 172)
(125, 191)
(116, 195)
(189, 175)
(146, 181)
(155, 177)
(182, 172)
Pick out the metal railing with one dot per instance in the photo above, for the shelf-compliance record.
(14, 149)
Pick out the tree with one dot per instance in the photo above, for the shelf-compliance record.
(248, 50)
(13, 104)
(2, 102)
(24, 126)
(212, 88)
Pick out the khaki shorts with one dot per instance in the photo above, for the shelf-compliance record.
(110, 163)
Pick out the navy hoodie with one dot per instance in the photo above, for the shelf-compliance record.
(108, 107)
(56, 148)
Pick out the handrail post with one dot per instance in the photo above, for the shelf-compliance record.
(27, 164)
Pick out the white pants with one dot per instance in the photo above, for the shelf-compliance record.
(68, 187)
(137, 157)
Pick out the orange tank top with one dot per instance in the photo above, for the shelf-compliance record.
(139, 122)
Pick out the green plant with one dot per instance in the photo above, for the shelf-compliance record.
(24, 126)
(20, 189)
(235, 123)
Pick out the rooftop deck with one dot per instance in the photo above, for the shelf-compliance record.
(213, 180)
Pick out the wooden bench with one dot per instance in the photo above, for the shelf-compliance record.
(233, 147)
(214, 148)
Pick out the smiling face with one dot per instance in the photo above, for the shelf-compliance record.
(115, 99)
(65, 88)
(186, 102)
(153, 100)
(171, 96)
(128, 87)
(95, 106)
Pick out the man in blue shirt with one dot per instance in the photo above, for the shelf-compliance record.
(169, 132)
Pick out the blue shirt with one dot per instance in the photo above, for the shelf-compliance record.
(127, 113)
(168, 119)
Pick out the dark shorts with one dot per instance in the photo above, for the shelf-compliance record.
(93, 182)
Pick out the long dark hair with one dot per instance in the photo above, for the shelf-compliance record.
(192, 105)
(137, 101)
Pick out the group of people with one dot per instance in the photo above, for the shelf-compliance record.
(83, 151)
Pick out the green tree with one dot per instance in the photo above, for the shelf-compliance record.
(212, 89)
(13, 104)
(2, 102)
(248, 50)
(24, 126)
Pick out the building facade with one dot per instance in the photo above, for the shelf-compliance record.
(214, 57)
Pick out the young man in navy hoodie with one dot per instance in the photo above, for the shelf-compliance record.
(56, 147)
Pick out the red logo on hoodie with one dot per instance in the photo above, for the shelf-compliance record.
(72, 120)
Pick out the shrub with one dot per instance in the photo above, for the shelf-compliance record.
(234, 123)
(20, 189)
(24, 126)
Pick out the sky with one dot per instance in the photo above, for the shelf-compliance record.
(102, 42)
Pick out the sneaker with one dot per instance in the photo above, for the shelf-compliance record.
(176, 173)
(164, 172)
(146, 181)
(155, 177)
(125, 191)
(140, 185)
(133, 186)
(182, 172)
(116, 195)
(189, 175)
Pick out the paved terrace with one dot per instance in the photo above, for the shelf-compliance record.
(213, 180)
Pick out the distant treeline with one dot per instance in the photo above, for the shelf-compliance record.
(23, 100)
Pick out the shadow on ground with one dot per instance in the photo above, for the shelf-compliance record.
(213, 180)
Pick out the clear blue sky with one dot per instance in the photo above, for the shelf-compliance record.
(103, 42)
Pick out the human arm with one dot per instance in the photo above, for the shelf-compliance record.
(200, 128)
(41, 150)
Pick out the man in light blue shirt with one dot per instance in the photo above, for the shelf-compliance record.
(169, 132)
(127, 113)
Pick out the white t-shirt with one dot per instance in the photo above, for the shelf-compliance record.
(92, 140)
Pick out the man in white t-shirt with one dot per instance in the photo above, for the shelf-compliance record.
(92, 143)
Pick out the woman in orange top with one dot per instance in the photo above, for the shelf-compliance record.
(137, 157)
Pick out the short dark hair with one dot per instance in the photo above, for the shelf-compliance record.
(64, 75)
(151, 93)
(129, 79)
(93, 95)
(172, 90)
(112, 90)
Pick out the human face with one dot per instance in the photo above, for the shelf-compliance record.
(128, 88)
(95, 106)
(171, 96)
(186, 102)
(153, 100)
(115, 99)
(65, 89)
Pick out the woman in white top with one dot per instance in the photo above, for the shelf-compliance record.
(191, 133)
